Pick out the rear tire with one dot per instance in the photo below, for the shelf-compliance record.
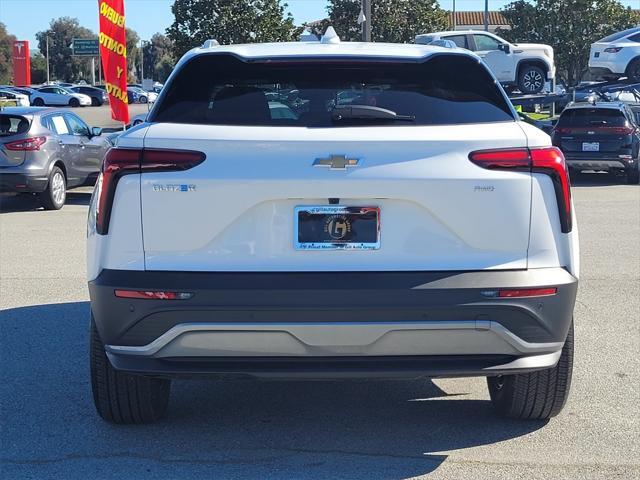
(633, 70)
(74, 102)
(123, 398)
(55, 194)
(38, 102)
(144, 99)
(95, 102)
(536, 395)
(531, 79)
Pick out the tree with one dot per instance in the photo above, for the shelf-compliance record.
(237, 21)
(133, 54)
(62, 65)
(396, 21)
(6, 55)
(569, 26)
(158, 57)
(38, 68)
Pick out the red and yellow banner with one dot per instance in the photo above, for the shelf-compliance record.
(113, 51)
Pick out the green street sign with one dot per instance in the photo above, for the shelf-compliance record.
(84, 47)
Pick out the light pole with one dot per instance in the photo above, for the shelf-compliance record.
(453, 17)
(47, 42)
(486, 15)
(366, 25)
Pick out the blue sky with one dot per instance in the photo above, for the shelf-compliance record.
(24, 18)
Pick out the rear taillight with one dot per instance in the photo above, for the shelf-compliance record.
(26, 144)
(547, 160)
(563, 130)
(153, 295)
(612, 49)
(124, 161)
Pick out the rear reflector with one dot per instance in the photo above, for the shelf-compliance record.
(26, 144)
(153, 295)
(124, 161)
(547, 160)
(527, 292)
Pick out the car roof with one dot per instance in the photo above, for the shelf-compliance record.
(611, 105)
(319, 49)
(30, 110)
(458, 32)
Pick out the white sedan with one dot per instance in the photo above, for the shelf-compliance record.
(21, 99)
(617, 55)
(55, 95)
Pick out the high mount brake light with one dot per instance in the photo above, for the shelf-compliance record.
(119, 162)
(26, 144)
(547, 160)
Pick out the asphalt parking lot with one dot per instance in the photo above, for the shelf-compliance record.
(310, 430)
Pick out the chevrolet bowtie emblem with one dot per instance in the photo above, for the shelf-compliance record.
(336, 162)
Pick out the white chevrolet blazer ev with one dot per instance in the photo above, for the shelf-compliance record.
(332, 210)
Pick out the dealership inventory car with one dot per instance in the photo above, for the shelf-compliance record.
(21, 99)
(526, 66)
(98, 96)
(46, 151)
(421, 230)
(55, 95)
(602, 136)
(617, 55)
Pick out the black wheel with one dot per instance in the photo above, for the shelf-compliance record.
(56, 192)
(120, 397)
(95, 102)
(531, 79)
(537, 395)
(633, 70)
(74, 102)
(144, 99)
(38, 102)
(633, 176)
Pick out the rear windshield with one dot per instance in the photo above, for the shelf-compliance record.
(224, 90)
(588, 117)
(618, 35)
(12, 125)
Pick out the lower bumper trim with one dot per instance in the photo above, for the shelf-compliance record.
(326, 368)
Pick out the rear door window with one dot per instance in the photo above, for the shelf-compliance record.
(13, 125)
(220, 89)
(592, 117)
(460, 40)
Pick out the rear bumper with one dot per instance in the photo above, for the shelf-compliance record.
(606, 164)
(20, 182)
(406, 324)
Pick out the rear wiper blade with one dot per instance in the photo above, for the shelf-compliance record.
(367, 112)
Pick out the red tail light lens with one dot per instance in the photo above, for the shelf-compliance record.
(547, 160)
(563, 130)
(496, 159)
(124, 161)
(153, 295)
(527, 292)
(26, 144)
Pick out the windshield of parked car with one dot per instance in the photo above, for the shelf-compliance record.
(592, 117)
(224, 90)
(618, 35)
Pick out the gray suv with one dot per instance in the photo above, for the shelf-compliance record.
(46, 151)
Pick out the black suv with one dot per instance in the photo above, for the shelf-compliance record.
(600, 136)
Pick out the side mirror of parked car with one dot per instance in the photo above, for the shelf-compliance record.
(96, 131)
(504, 47)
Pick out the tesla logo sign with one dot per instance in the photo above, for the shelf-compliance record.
(21, 63)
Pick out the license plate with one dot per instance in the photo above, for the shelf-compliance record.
(590, 146)
(334, 227)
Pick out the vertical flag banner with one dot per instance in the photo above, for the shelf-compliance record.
(113, 52)
(21, 63)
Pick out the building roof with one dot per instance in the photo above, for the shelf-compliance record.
(477, 18)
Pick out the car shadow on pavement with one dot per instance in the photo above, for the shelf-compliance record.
(27, 202)
(600, 179)
(217, 428)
